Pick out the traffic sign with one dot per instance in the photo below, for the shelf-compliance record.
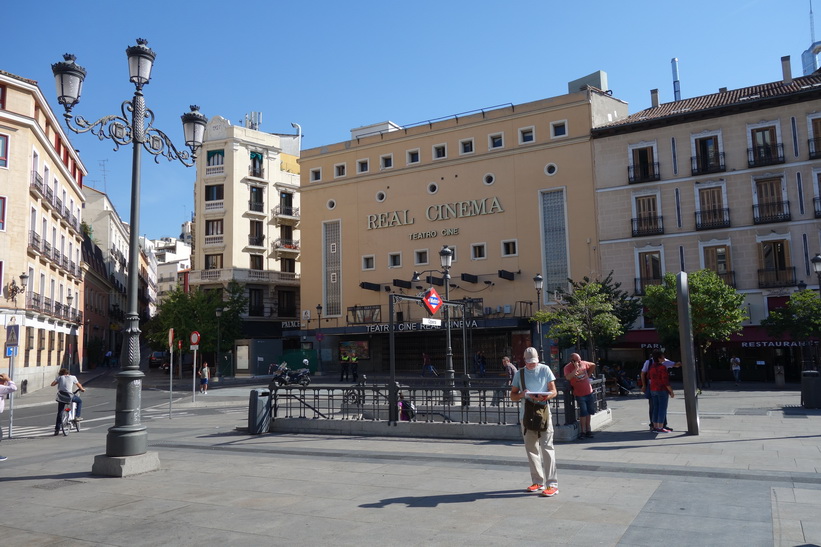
(171, 337)
(11, 351)
(12, 335)
(195, 338)
(432, 300)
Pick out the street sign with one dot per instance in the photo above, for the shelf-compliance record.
(11, 351)
(12, 335)
(194, 346)
(432, 300)
(431, 321)
(170, 338)
(195, 338)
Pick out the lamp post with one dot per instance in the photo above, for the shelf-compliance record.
(446, 260)
(67, 314)
(816, 266)
(128, 437)
(538, 283)
(319, 336)
(14, 290)
(218, 313)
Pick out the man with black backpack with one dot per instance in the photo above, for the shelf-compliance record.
(533, 386)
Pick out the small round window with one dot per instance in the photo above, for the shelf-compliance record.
(331, 204)
(489, 179)
(380, 196)
(550, 169)
(433, 188)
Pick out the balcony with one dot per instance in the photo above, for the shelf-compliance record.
(710, 219)
(285, 214)
(214, 240)
(727, 277)
(286, 245)
(772, 278)
(256, 240)
(701, 165)
(774, 211)
(817, 206)
(771, 154)
(256, 206)
(256, 172)
(244, 275)
(215, 206)
(815, 148)
(37, 183)
(215, 170)
(646, 172)
(643, 282)
(648, 226)
(34, 241)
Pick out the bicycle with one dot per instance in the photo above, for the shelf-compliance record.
(67, 408)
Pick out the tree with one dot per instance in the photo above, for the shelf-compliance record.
(716, 311)
(583, 316)
(801, 317)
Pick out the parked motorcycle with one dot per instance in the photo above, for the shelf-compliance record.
(285, 376)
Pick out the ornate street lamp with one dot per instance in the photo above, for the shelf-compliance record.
(538, 283)
(14, 290)
(446, 260)
(816, 266)
(319, 336)
(128, 437)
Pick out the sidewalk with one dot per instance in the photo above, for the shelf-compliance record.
(749, 478)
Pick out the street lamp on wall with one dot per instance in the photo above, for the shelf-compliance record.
(538, 283)
(128, 436)
(14, 289)
(816, 266)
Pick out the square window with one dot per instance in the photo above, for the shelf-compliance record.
(395, 260)
(421, 257)
(316, 174)
(368, 262)
(509, 248)
(526, 135)
(466, 146)
(256, 262)
(558, 129)
(478, 251)
(362, 166)
(413, 156)
(214, 192)
(495, 141)
(339, 170)
(386, 161)
(440, 151)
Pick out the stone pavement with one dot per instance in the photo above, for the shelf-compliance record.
(750, 477)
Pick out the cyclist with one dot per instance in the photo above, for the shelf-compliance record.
(66, 382)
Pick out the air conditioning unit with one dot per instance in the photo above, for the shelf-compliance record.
(507, 308)
(498, 309)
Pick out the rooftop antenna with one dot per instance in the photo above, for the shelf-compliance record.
(676, 83)
(812, 25)
(104, 172)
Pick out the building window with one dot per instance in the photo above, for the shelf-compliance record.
(362, 166)
(2, 97)
(708, 157)
(214, 192)
(649, 268)
(256, 262)
(381, 196)
(769, 204)
(368, 262)
(814, 124)
(433, 188)
(256, 236)
(2, 214)
(647, 220)
(413, 156)
(386, 161)
(213, 227)
(554, 240)
(339, 170)
(286, 303)
(440, 151)
(717, 258)
(316, 174)
(489, 178)
(256, 308)
(215, 158)
(466, 146)
(420, 257)
(213, 262)
(643, 165)
(331, 268)
(774, 259)
(256, 203)
(478, 251)
(558, 129)
(711, 211)
(509, 248)
(765, 148)
(497, 140)
(395, 260)
(526, 135)
(4, 151)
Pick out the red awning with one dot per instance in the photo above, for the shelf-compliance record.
(647, 338)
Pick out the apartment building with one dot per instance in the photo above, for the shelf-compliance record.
(508, 189)
(173, 256)
(727, 181)
(41, 208)
(246, 229)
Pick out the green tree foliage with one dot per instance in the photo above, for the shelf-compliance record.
(801, 318)
(716, 310)
(585, 316)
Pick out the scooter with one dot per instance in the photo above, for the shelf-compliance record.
(284, 376)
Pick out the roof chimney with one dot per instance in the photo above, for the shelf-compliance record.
(786, 70)
(722, 90)
(654, 97)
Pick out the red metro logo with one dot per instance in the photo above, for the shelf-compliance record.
(432, 300)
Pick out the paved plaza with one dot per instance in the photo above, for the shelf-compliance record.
(750, 477)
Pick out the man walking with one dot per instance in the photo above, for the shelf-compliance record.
(579, 373)
(536, 382)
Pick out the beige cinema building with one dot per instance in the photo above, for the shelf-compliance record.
(509, 190)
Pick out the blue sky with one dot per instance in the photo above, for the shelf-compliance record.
(332, 66)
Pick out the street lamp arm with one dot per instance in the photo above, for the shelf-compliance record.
(116, 128)
(159, 144)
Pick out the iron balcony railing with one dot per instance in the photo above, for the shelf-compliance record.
(643, 172)
(815, 148)
(286, 211)
(647, 225)
(816, 202)
(256, 240)
(256, 172)
(727, 277)
(770, 154)
(711, 219)
(286, 244)
(769, 278)
(643, 282)
(774, 211)
(256, 206)
(701, 165)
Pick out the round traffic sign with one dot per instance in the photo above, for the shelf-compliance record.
(195, 338)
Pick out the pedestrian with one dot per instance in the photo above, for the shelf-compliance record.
(533, 386)
(660, 391)
(6, 386)
(108, 359)
(427, 366)
(510, 371)
(343, 371)
(354, 366)
(735, 364)
(657, 353)
(407, 410)
(205, 374)
(580, 373)
(479, 364)
(65, 382)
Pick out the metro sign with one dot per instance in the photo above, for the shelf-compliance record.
(432, 300)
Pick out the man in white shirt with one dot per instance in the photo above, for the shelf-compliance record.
(6, 387)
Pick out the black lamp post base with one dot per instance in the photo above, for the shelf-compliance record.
(125, 466)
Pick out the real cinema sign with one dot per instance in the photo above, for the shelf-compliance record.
(435, 213)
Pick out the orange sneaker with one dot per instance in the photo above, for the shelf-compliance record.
(551, 491)
(535, 487)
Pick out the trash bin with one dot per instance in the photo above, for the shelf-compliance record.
(259, 412)
(811, 389)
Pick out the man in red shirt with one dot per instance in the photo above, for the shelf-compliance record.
(579, 373)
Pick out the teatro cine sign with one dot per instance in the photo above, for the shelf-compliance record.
(434, 213)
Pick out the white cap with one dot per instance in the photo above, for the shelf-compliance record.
(531, 355)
